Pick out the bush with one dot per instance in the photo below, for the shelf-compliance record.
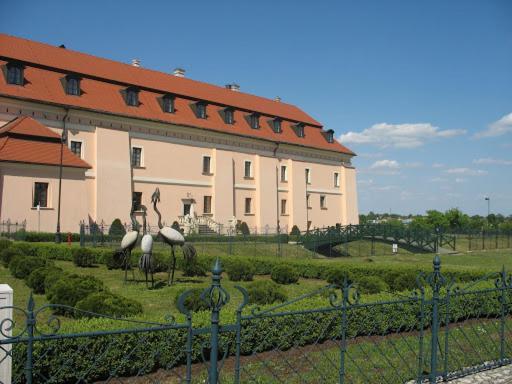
(403, 282)
(295, 231)
(83, 257)
(117, 229)
(36, 279)
(52, 277)
(284, 274)
(337, 276)
(265, 292)
(193, 301)
(70, 289)
(22, 266)
(240, 270)
(371, 285)
(115, 259)
(9, 254)
(106, 303)
(4, 244)
(191, 266)
(244, 229)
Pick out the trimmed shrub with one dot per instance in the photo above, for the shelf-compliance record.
(9, 254)
(191, 266)
(83, 257)
(4, 244)
(52, 277)
(244, 229)
(265, 292)
(240, 270)
(38, 276)
(193, 301)
(404, 281)
(371, 285)
(295, 231)
(107, 303)
(284, 274)
(337, 276)
(70, 289)
(117, 229)
(115, 259)
(22, 266)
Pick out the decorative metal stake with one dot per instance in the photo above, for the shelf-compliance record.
(435, 280)
(31, 321)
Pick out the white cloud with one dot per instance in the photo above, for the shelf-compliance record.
(388, 164)
(438, 165)
(498, 128)
(460, 180)
(438, 180)
(365, 182)
(466, 171)
(413, 164)
(398, 135)
(370, 155)
(491, 161)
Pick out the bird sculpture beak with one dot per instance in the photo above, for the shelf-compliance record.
(156, 196)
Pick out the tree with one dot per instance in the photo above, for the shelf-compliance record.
(117, 229)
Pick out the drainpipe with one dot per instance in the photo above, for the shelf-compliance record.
(64, 139)
(277, 195)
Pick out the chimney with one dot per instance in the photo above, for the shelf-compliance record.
(179, 72)
(136, 62)
(233, 87)
(278, 99)
(62, 46)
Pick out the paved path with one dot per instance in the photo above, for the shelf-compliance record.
(502, 375)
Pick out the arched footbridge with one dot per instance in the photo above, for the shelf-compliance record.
(322, 240)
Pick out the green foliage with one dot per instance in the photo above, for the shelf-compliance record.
(70, 289)
(337, 276)
(244, 229)
(284, 274)
(371, 285)
(193, 301)
(8, 254)
(4, 244)
(295, 231)
(22, 266)
(240, 270)
(36, 279)
(83, 257)
(115, 260)
(265, 292)
(117, 229)
(107, 303)
(191, 266)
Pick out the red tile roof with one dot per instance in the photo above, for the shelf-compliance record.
(103, 81)
(25, 140)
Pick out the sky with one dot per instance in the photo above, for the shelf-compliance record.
(421, 91)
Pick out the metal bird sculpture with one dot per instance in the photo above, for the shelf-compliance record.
(146, 263)
(129, 241)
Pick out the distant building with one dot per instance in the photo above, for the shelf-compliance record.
(218, 155)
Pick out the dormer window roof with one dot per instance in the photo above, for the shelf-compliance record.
(15, 74)
(168, 103)
(132, 96)
(254, 120)
(201, 110)
(299, 129)
(229, 115)
(276, 125)
(330, 136)
(72, 85)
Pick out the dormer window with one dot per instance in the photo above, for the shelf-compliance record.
(229, 116)
(132, 97)
(72, 85)
(201, 110)
(255, 121)
(330, 136)
(276, 125)
(168, 103)
(15, 74)
(299, 129)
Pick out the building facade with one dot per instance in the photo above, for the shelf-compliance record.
(218, 156)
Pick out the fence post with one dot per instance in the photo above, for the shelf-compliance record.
(436, 282)
(344, 306)
(29, 365)
(82, 235)
(6, 300)
(503, 286)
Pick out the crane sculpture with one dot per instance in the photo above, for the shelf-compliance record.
(168, 234)
(128, 242)
(146, 263)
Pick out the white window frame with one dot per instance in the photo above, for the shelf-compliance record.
(250, 206)
(308, 175)
(285, 173)
(82, 146)
(336, 176)
(141, 165)
(211, 205)
(210, 170)
(250, 176)
(324, 199)
(48, 195)
(284, 212)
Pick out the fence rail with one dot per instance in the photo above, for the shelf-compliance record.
(439, 331)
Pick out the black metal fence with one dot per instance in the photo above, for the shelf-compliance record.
(332, 335)
(11, 229)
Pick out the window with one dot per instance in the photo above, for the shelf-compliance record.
(330, 136)
(201, 110)
(336, 179)
(136, 157)
(300, 130)
(308, 176)
(248, 203)
(132, 97)
(207, 165)
(284, 174)
(73, 85)
(168, 103)
(255, 121)
(229, 116)
(14, 74)
(207, 204)
(137, 200)
(76, 147)
(308, 200)
(283, 207)
(40, 195)
(276, 125)
(247, 169)
(323, 202)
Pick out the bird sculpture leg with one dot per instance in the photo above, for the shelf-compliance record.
(126, 257)
(173, 267)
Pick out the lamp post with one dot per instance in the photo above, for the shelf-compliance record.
(488, 199)
(64, 139)
(307, 201)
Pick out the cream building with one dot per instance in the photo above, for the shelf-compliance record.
(218, 155)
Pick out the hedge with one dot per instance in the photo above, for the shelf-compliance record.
(143, 352)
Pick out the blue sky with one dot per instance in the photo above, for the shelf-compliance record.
(422, 91)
